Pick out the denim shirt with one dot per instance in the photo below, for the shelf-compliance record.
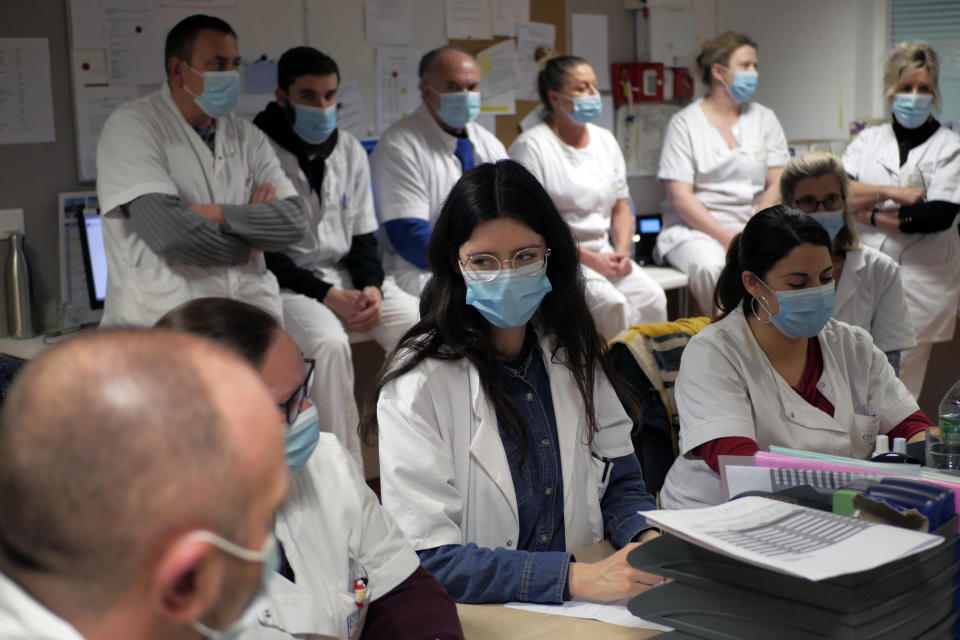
(537, 570)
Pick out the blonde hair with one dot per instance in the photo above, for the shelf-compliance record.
(719, 50)
(911, 55)
(815, 164)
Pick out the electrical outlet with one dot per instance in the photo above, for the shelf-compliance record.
(11, 221)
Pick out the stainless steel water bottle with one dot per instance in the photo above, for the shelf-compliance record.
(19, 318)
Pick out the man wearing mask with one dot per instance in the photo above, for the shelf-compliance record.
(140, 474)
(332, 282)
(421, 157)
(191, 194)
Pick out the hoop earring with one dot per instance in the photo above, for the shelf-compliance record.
(753, 307)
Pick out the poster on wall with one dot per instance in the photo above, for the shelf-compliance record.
(26, 97)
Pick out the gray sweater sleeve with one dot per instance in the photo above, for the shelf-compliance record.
(175, 231)
(271, 226)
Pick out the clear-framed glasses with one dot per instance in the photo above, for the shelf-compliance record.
(292, 405)
(809, 204)
(484, 267)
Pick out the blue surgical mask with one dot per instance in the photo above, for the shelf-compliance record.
(314, 124)
(269, 555)
(832, 221)
(744, 85)
(221, 91)
(301, 438)
(912, 109)
(511, 299)
(803, 312)
(586, 108)
(459, 107)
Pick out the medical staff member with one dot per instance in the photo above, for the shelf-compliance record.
(503, 443)
(191, 193)
(347, 570)
(582, 168)
(420, 157)
(720, 162)
(776, 369)
(332, 282)
(869, 290)
(907, 193)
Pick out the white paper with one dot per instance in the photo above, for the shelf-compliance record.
(612, 613)
(790, 539)
(533, 118)
(397, 93)
(26, 96)
(388, 22)
(94, 104)
(134, 42)
(504, 104)
(506, 15)
(589, 36)
(739, 479)
(469, 20)
(90, 67)
(86, 25)
(530, 36)
(351, 112)
(639, 130)
(488, 122)
(498, 68)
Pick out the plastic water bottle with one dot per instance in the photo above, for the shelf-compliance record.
(950, 414)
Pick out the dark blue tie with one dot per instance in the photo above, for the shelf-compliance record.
(464, 154)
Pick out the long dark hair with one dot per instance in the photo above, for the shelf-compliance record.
(451, 330)
(768, 237)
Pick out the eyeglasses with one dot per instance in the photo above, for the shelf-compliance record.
(485, 267)
(809, 204)
(291, 406)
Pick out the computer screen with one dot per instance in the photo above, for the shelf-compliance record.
(650, 225)
(94, 257)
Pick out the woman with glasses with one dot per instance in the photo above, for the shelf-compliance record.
(503, 441)
(776, 369)
(720, 162)
(346, 569)
(906, 193)
(869, 291)
(582, 168)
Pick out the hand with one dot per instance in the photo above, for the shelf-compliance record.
(904, 196)
(369, 316)
(212, 212)
(264, 193)
(610, 579)
(345, 303)
(624, 265)
(603, 263)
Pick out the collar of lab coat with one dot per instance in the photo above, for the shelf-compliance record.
(853, 264)
(888, 155)
(441, 139)
(23, 616)
(199, 146)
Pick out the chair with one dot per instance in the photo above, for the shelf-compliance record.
(648, 358)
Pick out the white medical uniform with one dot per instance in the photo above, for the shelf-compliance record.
(870, 295)
(342, 211)
(23, 618)
(727, 388)
(333, 530)
(929, 262)
(148, 147)
(414, 168)
(585, 184)
(443, 469)
(729, 183)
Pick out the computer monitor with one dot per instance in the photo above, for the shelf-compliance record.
(648, 228)
(94, 256)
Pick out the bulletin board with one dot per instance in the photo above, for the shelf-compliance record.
(117, 52)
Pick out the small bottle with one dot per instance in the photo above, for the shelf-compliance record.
(19, 317)
(950, 415)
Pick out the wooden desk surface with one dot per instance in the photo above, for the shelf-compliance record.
(494, 621)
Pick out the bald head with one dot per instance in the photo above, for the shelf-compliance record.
(112, 442)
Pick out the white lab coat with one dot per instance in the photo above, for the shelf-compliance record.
(444, 471)
(330, 519)
(929, 263)
(870, 295)
(24, 618)
(413, 168)
(148, 147)
(726, 387)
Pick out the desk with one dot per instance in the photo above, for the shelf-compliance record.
(28, 348)
(494, 621)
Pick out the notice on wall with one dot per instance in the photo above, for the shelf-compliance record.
(397, 94)
(506, 15)
(388, 22)
(134, 42)
(469, 20)
(26, 96)
(94, 105)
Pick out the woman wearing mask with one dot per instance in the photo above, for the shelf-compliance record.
(347, 570)
(775, 368)
(720, 162)
(906, 191)
(869, 291)
(582, 168)
(503, 441)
